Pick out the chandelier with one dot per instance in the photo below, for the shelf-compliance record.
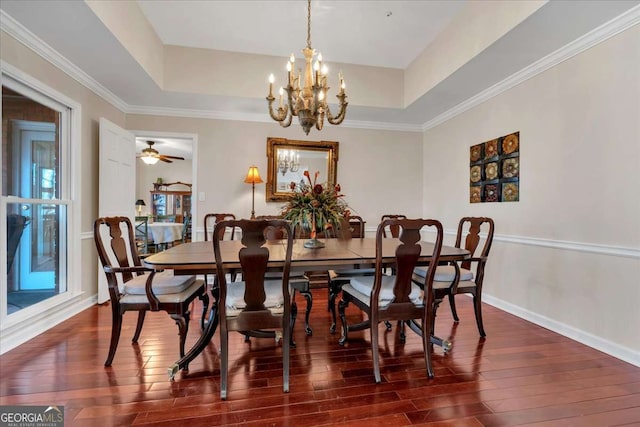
(288, 160)
(309, 101)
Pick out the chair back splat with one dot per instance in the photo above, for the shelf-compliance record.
(216, 218)
(395, 297)
(392, 230)
(260, 302)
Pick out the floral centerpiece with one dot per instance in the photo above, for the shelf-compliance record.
(315, 207)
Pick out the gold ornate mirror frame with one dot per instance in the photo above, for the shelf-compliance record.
(321, 156)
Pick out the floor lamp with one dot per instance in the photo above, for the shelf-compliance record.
(253, 178)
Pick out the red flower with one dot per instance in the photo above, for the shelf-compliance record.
(337, 188)
(292, 185)
(317, 189)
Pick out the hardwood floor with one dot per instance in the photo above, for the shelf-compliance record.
(520, 375)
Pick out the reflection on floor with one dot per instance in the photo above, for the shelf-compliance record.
(20, 299)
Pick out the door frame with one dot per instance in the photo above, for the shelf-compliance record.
(152, 134)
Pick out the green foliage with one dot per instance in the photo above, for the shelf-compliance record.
(314, 202)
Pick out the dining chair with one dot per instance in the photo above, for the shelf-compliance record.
(391, 231)
(298, 280)
(458, 277)
(337, 278)
(133, 287)
(256, 304)
(186, 229)
(142, 234)
(395, 297)
(210, 221)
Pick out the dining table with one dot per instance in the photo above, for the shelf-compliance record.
(198, 258)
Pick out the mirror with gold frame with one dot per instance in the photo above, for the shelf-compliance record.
(288, 159)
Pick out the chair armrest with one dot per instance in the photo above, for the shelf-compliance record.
(134, 269)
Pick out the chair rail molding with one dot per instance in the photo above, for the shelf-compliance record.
(594, 248)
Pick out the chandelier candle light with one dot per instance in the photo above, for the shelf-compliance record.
(308, 102)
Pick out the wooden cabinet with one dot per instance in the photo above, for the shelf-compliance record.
(171, 199)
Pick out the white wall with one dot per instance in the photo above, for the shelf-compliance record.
(566, 256)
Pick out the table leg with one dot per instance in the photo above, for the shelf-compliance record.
(201, 344)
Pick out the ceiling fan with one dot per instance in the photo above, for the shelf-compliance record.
(151, 156)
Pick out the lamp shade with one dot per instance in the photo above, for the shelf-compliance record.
(253, 176)
(140, 202)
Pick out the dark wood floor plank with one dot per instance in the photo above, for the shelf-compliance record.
(519, 374)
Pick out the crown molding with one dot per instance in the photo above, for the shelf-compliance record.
(600, 34)
(587, 41)
(30, 40)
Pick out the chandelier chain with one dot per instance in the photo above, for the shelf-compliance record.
(309, 24)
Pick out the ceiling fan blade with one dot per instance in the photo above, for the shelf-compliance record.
(171, 157)
(165, 160)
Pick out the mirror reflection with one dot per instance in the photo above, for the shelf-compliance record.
(288, 160)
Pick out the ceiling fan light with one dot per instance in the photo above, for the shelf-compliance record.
(149, 159)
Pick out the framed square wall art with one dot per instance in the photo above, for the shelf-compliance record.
(494, 170)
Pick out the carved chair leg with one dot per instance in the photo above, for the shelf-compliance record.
(116, 327)
(334, 290)
(427, 345)
(402, 329)
(294, 314)
(477, 308)
(342, 305)
(136, 334)
(374, 351)
(309, 298)
(183, 327)
(452, 304)
(224, 362)
(204, 297)
(286, 350)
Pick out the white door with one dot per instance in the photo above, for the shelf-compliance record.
(117, 177)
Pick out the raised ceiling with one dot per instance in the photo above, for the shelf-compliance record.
(348, 32)
(377, 33)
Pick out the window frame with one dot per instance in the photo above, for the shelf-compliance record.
(70, 191)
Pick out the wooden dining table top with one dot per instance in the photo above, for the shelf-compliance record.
(198, 257)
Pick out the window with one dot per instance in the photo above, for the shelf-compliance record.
(36, 204)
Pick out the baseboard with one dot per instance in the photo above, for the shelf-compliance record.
(608, 347)
(20, 333)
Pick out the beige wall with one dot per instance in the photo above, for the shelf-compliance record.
(579, 126)
(376, 169)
